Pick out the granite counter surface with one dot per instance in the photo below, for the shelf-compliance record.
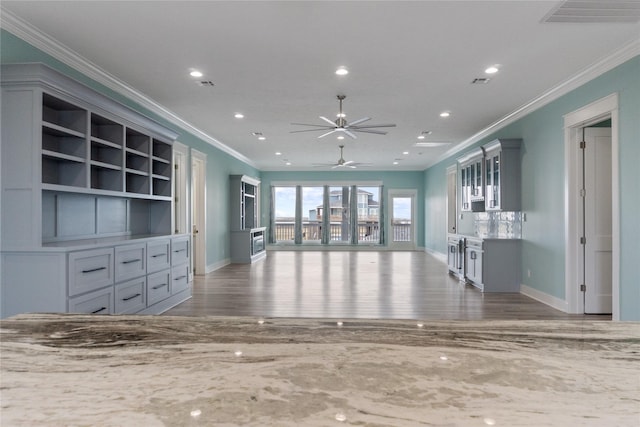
(72, 370)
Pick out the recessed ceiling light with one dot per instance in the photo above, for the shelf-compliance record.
(445, 114)
(340, 137)
(196, 73)
(405, 152)
(278, 153)
(420, 136)
(238, 115)
(396, 162)
(262, 138)
(342, 71)
(288, 163)
(491, 70)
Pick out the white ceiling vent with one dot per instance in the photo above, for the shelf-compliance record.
(595, 11)
(480, 81)
(206, 83)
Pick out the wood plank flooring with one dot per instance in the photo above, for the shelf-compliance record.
(351, 284)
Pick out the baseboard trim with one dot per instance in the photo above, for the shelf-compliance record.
(437, 255)
(217, 265)
(550, 300)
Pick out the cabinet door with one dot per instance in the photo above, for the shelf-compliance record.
(158, 255)
(130, 261)
(130, 297)
(179, 251)
(158, 287)
(89, 270)
(179, 279)
(98, 302)
(452, 256)
(493, 181)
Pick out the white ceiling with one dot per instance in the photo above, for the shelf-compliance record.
(275, 62)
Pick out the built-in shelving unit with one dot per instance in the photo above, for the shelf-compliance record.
(247, 237)
(82, 174)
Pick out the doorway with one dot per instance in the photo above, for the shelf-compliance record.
(402, 215)
(585, 263)
(596, 214)
(198, 211)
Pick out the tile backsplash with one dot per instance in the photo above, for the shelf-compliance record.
(504, 225)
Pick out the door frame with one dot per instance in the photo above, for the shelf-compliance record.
(593, 113)
(413, 194)
(199, 210)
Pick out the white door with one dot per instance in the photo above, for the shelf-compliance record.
(402, 230)
(597, 221)
(198, 211)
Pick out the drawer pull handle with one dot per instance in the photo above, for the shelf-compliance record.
(157, 255)
(156, 287)
(92, 270)
(131, 297)
(179, 250)
(180, 278)
(99, 310)
(131, 261)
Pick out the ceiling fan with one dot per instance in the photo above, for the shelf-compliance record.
(342, 163)
(341, 125)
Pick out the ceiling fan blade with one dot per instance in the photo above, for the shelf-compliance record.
(328, 133)
(377, 132)
(309, 124)
(351, 134)
(322, 165)
(308, 130)
(328, 121)
(374, 126)
(348, 162)
(362, 120)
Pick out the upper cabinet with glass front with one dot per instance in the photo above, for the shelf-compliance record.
(502, 175)
(471, 181)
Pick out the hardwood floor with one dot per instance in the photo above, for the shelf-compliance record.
(350, 284)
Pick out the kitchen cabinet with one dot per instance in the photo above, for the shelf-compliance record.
(493, 265)
(503, 175)
(471, 167)
(455, 253)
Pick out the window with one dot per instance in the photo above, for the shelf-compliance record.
(352, 214)
(285, 213)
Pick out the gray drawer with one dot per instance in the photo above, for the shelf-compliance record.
(130, 297)
(158, 287)
(98, 302)
(90, 270)
(179, 251)
(179, 278)
(158, 255)
(130, 261)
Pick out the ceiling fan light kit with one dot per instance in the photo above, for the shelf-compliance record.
(341, 125)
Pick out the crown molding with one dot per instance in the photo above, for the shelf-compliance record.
(609, 62)
(52, 47)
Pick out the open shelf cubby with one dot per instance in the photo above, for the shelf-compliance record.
(63, 114)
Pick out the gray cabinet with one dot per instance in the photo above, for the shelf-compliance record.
(86, 185)
(247, 237)
(471, 167)
(503, 175)
(493, 265)
(455, 254)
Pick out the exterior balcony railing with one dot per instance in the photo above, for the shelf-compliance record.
(368, 231)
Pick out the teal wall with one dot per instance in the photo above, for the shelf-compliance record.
(219, 164)
(390, 180)
(543, 186)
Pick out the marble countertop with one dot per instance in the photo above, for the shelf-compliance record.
(71, 370)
